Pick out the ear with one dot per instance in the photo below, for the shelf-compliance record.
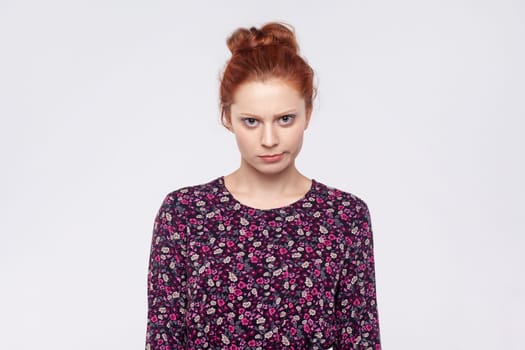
(226, 122)
(308, 116)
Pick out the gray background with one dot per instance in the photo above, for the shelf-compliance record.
(106, 106)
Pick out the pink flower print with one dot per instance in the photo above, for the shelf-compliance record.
(283, 260)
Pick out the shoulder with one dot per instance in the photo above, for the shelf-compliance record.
(343, 202)
(189, 197)
(349, 214)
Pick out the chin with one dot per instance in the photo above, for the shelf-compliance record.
(272, 169)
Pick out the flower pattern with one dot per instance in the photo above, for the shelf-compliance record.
(223, 275)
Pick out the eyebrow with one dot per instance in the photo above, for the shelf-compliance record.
(290, 111)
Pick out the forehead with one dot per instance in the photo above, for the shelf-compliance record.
(266, 96)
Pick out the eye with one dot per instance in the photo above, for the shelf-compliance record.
(287, 119)
(250, 122)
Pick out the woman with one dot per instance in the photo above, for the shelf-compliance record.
(263, 258)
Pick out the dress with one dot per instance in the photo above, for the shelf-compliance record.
(223, 275)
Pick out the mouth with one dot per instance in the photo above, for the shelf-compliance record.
(272, 157)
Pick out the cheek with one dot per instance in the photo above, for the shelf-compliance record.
(244, 141)
(296, 138)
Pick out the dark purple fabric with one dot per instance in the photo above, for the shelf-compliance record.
(223, 275)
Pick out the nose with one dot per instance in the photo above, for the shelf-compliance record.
(269, 137)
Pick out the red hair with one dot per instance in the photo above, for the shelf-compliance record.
(261, 54)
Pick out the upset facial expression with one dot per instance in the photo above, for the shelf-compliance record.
(268, 119)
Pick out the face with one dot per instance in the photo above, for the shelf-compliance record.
(268, 119)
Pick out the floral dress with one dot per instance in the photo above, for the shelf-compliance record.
(223, 275)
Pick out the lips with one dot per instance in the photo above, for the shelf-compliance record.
(272, 157)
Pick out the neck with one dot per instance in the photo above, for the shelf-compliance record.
(246, 179)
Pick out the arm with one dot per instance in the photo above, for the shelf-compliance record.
(167, 280)
(356, 303)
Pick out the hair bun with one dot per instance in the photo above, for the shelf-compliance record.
(270, 34)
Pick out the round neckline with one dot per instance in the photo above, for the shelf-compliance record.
(285, 207)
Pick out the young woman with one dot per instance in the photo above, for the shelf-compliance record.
(264, 257)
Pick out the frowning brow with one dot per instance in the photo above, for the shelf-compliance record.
(275, 115)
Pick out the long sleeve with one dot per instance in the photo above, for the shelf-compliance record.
(166, 329)
(356, 303)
